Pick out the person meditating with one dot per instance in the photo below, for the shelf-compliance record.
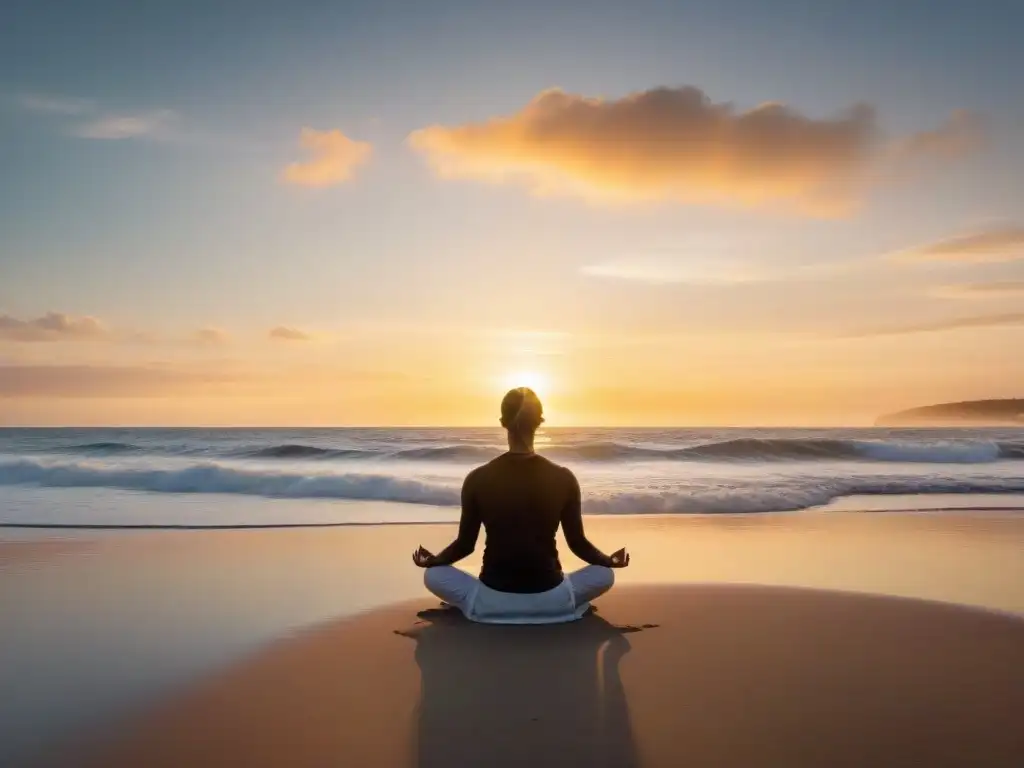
(520, 498)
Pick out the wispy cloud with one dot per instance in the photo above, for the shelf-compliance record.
(1007, 319)
(88, 119)
(712, 261)
(154, 124)
(55, 105)
(1003, 243)
(29, 380)
(211, 337)
(660, 270)
(53, 326)
(676, 144)
(284, 333)
(334, 159)
(962, 133)
(102, 381)
(62, 327)
(992, 290)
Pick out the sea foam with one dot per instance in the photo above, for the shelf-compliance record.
(688, 494)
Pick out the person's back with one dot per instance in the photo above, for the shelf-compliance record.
(520, 498)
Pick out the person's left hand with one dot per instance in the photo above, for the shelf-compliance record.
(423, 557)
(619, 559)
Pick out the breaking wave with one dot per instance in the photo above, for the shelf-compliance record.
(771, 494)
(295, 451)
(104, 447)
(217, 478)
(747, 449)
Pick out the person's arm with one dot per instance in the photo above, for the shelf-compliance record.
(469, 530)
(572, 527)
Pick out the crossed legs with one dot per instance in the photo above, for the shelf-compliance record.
(456, 587)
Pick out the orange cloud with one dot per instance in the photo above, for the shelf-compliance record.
(284, 333)
(674, 144)
(334, 159)
(997, 244)
(53, 326)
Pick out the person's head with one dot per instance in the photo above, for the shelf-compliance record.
(521, 413)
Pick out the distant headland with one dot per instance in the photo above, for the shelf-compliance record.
(970, 413)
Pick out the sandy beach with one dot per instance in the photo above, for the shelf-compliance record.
(722, 676)
(817, 639)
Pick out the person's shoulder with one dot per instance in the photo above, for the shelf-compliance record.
(568, 475)
(474, 474)
(563, 472)
(477, 473)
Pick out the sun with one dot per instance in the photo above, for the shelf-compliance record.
(535, 380)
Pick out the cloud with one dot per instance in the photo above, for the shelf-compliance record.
(1008, 319)
(100, 381)
(211, 336)
(680, 270)
(334, 159)
(675, 144)
(1005, 243)
(283, 333)
(55, 105)
(95, 122)
(154, 124)
(53, 326)
(991, 290)
(23, 380)
(961, 134)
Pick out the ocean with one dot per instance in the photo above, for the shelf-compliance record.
(243, 477)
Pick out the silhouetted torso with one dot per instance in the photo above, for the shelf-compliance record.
(520, 499)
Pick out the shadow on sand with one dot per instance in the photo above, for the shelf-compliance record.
(547, 695)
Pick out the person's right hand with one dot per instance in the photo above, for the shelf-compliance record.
(424, 558)
(619, 559)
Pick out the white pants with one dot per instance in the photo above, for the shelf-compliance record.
(462, 590)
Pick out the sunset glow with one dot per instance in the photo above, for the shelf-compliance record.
(534, 380)
(734, 213)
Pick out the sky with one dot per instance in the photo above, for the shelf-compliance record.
(656, 213)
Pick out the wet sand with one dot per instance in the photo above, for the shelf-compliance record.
(660, 676)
